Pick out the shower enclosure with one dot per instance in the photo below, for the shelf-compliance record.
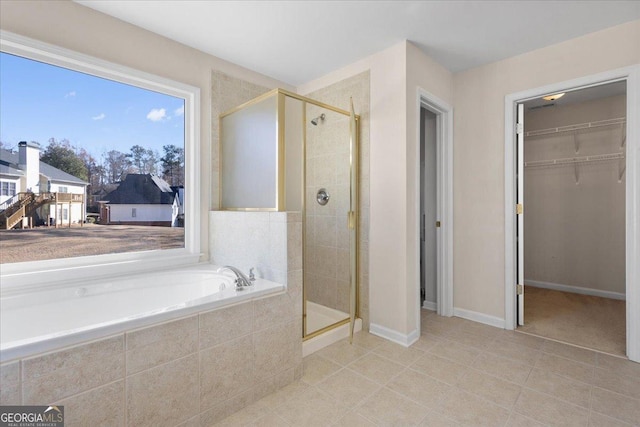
(285, 152)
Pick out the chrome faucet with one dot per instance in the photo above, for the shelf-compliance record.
(241, 280)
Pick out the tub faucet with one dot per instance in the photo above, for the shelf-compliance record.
(241, 280)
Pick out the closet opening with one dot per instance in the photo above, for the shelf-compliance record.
(571, 217)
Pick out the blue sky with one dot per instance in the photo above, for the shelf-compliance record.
(40, 101)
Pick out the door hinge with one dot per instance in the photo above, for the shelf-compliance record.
(519, 209)
(437, 224)
(351, 219)
(519, 289)
(519, 128)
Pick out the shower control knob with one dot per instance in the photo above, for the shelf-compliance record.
(322, 197)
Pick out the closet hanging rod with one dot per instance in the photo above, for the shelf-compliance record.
(579, 126)
(575, 160)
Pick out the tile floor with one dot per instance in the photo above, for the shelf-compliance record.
(458, 373)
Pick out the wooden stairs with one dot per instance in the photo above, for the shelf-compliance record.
(25, 204)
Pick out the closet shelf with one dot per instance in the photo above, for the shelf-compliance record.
(576, 127)
(575, 160)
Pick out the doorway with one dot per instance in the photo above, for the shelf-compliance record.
(434, 206)
(553, 172)
(573, 180)
(429, 222)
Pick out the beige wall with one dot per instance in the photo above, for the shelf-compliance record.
(72, 26)
(424, 73)
(479, 252)
(575, 231)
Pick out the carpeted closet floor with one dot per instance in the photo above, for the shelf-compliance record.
(588, 321)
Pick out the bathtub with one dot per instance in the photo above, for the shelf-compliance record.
(42, 320)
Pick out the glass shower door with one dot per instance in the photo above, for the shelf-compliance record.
(353, 219)
(328, 266)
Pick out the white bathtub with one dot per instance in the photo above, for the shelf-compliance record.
(37, 321)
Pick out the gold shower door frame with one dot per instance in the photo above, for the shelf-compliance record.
(279, 203)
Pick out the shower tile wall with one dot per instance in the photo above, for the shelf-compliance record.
(326, 262)
(327, 238)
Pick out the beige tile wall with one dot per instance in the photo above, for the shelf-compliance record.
(326, 258)
(327, 238)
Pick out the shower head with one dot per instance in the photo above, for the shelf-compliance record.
(315, 121)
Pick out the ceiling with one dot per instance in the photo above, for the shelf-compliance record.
(299, 41)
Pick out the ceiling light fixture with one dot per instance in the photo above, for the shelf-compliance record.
(553, 97)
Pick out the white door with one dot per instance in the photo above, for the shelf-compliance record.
(520, 211)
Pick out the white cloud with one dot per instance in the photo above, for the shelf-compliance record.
(157, 115)
(99, 116)
(179, 111)
(70, 94)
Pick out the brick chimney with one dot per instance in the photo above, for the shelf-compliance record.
(29, 163)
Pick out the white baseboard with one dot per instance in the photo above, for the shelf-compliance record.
(428, 305)
(575, 289)
(479, 317)
(394, 336)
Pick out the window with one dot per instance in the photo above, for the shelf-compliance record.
(8, 188)
(133, 212)
(121, 129)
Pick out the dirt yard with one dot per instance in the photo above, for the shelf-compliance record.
(90, 239)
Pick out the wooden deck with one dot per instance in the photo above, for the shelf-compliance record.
(24, 205)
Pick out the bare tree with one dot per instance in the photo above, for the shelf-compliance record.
(144, 160)
(117, 165)
(173, 165)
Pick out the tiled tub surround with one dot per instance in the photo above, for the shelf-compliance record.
(192, 371)
(53, 317)
(195, 370)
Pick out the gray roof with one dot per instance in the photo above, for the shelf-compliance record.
(55, 174)
(142, 189)
(9, 166)
(9, 163)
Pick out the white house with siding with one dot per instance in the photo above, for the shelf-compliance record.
(141, 199)
(61, 195)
